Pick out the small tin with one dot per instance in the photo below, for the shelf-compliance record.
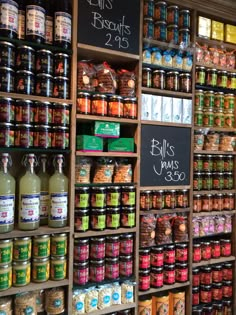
(61, 87)
(44, 85)
(44, 61)
(7, 79)
(25, 58)
(7, 55)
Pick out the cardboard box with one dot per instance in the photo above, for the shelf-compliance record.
(166, 109)
(146, 111)
(156, 107)
(204, 27)
(106, 129)
(217, 30)
(89, 143)
(187, 112)
(177, 110)
(230, 33)
(121, 145)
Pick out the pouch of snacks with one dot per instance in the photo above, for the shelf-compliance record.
(163, 230)
(82, 170)
(91, 300)
(127, 83)
(123, 171)
(85, 76)
(156, 56)
(106, 78)
(104, 170)
(180, 229)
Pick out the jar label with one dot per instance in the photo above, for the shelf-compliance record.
(98, 200)
(44, 204)
(144, 261)
(62, 27)
(112, 249)
(97, 251)
(5, 280)
(29, 208)
(21, 24)
(41, 248)
(6, 254)
(35, 20)
(7, 204)
(98, 222)
(81, 277)
(97, 274)
(113, 199)
(21, 276)
(81, 253)
(82, 223)
(128, 199)
(126, 268)
(58, 270)
(126, 247)
(22, 251)
(59, 205)
(49, 30)
(112, 271)
(217, 276)
(9, 15)
(157, 280)
(144, 283)
(169, 276)
(82, 201)
(59, 248)
(113, 220)
(41, 273)
(157, 260)
(196, 280)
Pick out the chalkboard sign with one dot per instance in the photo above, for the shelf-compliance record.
(165, 156)
(112, 24)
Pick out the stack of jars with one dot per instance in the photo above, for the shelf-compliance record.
(103, 258)
(166, 22)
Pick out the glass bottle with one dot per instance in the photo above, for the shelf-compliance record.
(8, 18)
(62, 24)
(44, 191)
(49, 22)
(35, 21)
(7, 195)
(58, 191)
(21, 19)
(29, 196)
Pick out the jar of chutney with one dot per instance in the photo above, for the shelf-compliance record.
(158, 200)
(208, 163)
(207, 203)
(160, 31)
(211, 77)
(128, 196)
(146, 200)
(200, 75)
(185, 82)
(207, 181)
(222, 78)
(82, 198)
(130, 107)
(228, 180)
(198, 163)
(170, 199)
(208, 117)
(84, 103)
(147, 77)
(113, 196)
(172, 81)
(197, 181)
(81, 220)
(148, 8)
(182, 198)
(98, 197)
(158, 79)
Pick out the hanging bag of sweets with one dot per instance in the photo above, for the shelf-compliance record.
(86, 76)
(163, 230)
(106, 78)
(147, 230)
(180, 229)
(127, 82)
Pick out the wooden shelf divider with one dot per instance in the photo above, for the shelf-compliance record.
(164, 288)
(166, 93)
(214, 261)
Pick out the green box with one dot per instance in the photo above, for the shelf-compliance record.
(121, 145)
(89, 143)
(107, 129)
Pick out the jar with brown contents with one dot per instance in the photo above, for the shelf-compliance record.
(172, 81)
(116, 106)
(185, 82)
(99, 105)
(146, 200)
(158, 79)
(147, 77)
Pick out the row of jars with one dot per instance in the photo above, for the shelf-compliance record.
(215, 78)
(216, 163)
(102, 105)
(161, 199)
(208, 117)
(217, 100)
(206, 250)
(160, 79)
(213, 181)
(224, 307)
(212, 274)
(40, 61)
(213, 202)
(212, 293)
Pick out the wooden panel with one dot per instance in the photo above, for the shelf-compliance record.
(164, 288)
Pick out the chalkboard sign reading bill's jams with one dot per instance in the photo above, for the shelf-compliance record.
(112, 24)
(165, 155)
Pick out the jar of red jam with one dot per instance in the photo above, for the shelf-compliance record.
(218, 202)
(195, 296)
(217, 273)
(146, 200)
(157, 277)
(225, 246)
(157, 256)
(197, 203)
(181, 252)
(81, 249)
(144, 280)
(84, 103)
(112, 268)
(24, 136)
(196, 277)
(97, 270)
(215, 249)
(217, 291)
(181, 272)
(130, 107)
(227, 307)
(97, 248)
(158, 200)
(227, 271)
(227, 289)
(207, 202)
(126, 266)
(197, 253)
(169, 274)
(205, 294)
(112, 246)
(126, 244)
(144, 258)
(206, 250)
(229, 201)
(116, 106)
(182, 199)
(169, 254)
(99, 105)
(170, 199)
(206, 275)
(81, 273)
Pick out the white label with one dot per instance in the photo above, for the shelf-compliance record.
(59, 205)
(29, 208)
(9, 15)
(44, 204)
(62, 27)
(7, 204)
(49, 30)
(21, 24)
(35, 20)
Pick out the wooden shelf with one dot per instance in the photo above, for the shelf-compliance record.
(200, 64)
(34, 150)
(114, 309)
(41, 231)
(35, 286)
(214, 89)
(216, 129)
(105, 232)
(108, 154)
(126, 121)
(164, 187)
(153, 66)
(211, 42)
(215, 152)
(211, 213)
(161, 123)
(164, 288)
(212, 235)
(157, 43)
(214, 261)
(165, 211)
(205, 192)
(105, 184)
(36, 98)
(166, 93)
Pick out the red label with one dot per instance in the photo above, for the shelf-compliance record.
(97, 251)
(181, 275)
(217, 294)
(169, 257)
(205, 296)
(144, 283)
(226, 249)
(112, 249)
(227, 291)
(126, 247)
(206, 253)
(97, 274)
(206, 278)
(197, 254)
(157, 280)
(112, 271)
(228, 274)
(144, 261)
(217, 276)
(157, 260)
(81, 253)
(169, 276)
(81, 276)
(195, 299)
(196, 280)
(182, 254)
(215, 253)
(126, 268)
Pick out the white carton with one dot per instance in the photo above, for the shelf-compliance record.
(177, 110)
(187, 111)
(156, 107)
(146, 107)
(166, 109)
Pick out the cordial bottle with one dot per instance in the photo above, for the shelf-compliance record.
(35, 21)
(8, 18)
(62, 24)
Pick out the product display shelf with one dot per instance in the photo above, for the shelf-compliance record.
(161, 123)
(219, 68)
(214, 89)
(104, 282)
(164, 288)
(156, 43)
(114, 308)
(105, 232)
(165, 187)
(166, 211)
(108, 154)
(166, 93)
(217, 129)
(154, 67)
(215, 152)
(224, 191)
(123, 121)
(214, 261)
(104, 184)
(34, 150)
(215, 43)
(212, 213)
(213, 235)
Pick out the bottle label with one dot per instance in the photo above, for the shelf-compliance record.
(59, 204)
(21, 24)
(29, 209)
(9, 15)
(7, 209)
(44, 204)
(62, 27)
(49, 29)
(35, 21)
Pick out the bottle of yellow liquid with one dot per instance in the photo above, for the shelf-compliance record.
(7, 195)
(44, 190)
(29, 196)
(58, 191)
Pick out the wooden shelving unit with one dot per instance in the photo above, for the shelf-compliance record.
(164, 288)
(214, 261)
(166, 93)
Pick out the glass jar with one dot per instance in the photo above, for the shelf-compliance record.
(198, 117)
(146, 200)
(21, 273)
(157, 277)
(215, 249)
(211, 77)
(197, 254)
(97, 248)
(61, 87)
(217, 273)
(160, 12)
(116, 106)
(173, 14)
(59, 244)
(130, 108)
(58, 268)
(185, 82)
(169, 274)
(127, 217)
(219, 100)
(227, 271)
(126, 266)
(144, 258)
(40, 270)
(44, 85)
(128, 196)
(41, 246)
(181, 252)
(158, 79)
(181, 272)
(218, 202)
(206, 294)
(5, 277)
(172, 81)
(206, 250)
(7, 114)
(112, 268)
(184, 18)
(148, 27)
(113, 218)
(98, 219)
(228, 163)
(158, 200)
(25, 58)
(229, 101)
(207, 182)
(219, 118)
(112, 246)
(81, 273)
(170, 199)
(208, 117)
(147, 77)
(195, 296)
(225, 246)
(197, 203)
(44, 61)
(229, 201)
(126, 244)
(182, 198)
(6, 251)
(81, 249)
(21, 249)
(218, 181)
(207, 203)
(197, 181)
(229, 118)
(160, 31)
(196, 277)
(98, 197)
(200, 75)
(198, 163)
(172, 33)
(199, 99)
(184, 36)
(144, 280)
(169, 254)
(222, 79)
(228, 180)
(157, 256)
(208, 163)
(81, 220)
(83, 103)
(97, 270)
(209, 99)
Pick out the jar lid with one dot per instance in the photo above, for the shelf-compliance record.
(44, 75)
(41, 236)
(144, 251)
(172, 7)
(206, 269)
(5, 266)
(145, 192)
(81, 211)
(7, 44)
(201, 68)
(29, 102)
(112, 238)
(225, 241)
(81, 241)
(184, 11)
(5, 241)
(6, 68)
(181, 265)
(23, 126)
(22, 239)
(84, 188)
(144, 272)
(228, 265)
(113, 188)
(147, 69)
(112, 259)
(217, 267)
(157, 249)
(169, 267)
(195, 289)
(227, 283)
(81, 94)
(185, 30)
(161, 22)
(181, 245)
(199, 91)
(169, 247)
(58, 257)
(98, 239)
(126, 258)
(219, 93)
(115, 97)
(6, 99)
(25, 47)
(61, 55)
(148, 19)
(159, 71)
(81, 264)
(196, 270)
(44, 51)
(97, 262)
(61, 78)
(205, 287)
(99, 188)
(123, 236)
(217, 285)
(173, 72)
(40, 260)
(157, 269)
(130, 99)
(59, 235)
(128, 187)
(25, 72)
